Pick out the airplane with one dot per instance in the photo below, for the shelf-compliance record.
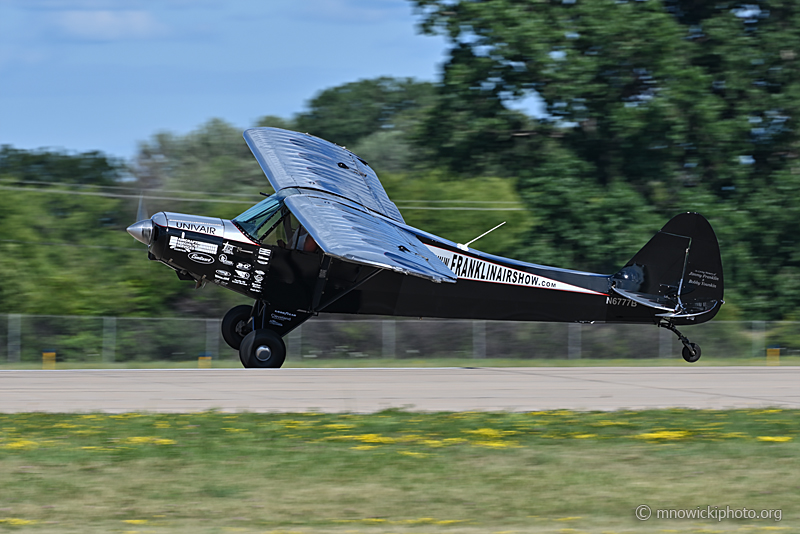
(331, 241)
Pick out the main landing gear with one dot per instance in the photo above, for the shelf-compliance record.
(262, 348)
(691, 351)
(258, 347)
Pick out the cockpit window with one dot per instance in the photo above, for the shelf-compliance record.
(261, 218)
(270, 223)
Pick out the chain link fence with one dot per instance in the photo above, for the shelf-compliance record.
(23, 338)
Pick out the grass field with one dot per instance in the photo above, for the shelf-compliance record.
(420, 362)
(555, 472)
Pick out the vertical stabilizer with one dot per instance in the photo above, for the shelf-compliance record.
(679, 271)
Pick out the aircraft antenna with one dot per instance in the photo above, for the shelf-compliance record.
(466, 247)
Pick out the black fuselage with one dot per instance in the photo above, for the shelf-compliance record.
(489, 287)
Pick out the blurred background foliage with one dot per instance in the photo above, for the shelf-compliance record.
(643, 110)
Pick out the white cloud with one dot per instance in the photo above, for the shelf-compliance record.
(104, 25)
(353, 11)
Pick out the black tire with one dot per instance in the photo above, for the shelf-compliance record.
(262, 349)
(687, 354)
(236, 325)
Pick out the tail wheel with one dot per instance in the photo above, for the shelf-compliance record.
(262, 348)
(687, 353)
(236, 325)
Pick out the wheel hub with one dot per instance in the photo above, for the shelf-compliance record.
(263, 353)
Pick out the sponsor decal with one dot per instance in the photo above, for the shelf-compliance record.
(227, 248)
(220, 282)
(258, 278)
(240, 282)
(223, 274)
(264, 255)
(470, 268)
(242, 274)
(259, 271)
(619, 301)
(703, 279)
(280, 317)
(244, 266)
(191, 245)
(255, 287)
(199, 257)
(223, 259)
(201, 228)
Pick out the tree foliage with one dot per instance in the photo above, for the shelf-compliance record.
(651, 107)
(348, 113)
(58, 167)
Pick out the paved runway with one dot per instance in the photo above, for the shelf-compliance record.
(425, 389)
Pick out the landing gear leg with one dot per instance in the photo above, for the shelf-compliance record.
(236, 324)
(691, 351)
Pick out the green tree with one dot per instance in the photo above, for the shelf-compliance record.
(347, 113)
(666, 103)
(93, 168)
(211, 159)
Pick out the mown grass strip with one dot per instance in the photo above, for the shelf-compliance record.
(394, 471)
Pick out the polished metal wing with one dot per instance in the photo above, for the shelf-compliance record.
(344, 230)
(292, 159)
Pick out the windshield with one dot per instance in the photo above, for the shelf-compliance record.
(261, 218)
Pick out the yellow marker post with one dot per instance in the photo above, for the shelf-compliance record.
(774, 356)
(204, 362)
(49, 360)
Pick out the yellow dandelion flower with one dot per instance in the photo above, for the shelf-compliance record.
(609, 423)
(17, 522)
(776, 439)
(584, 436)
(338, 426)
(491, 433)
(364, 447)
(138, 440)
(375, 438)
(496, 444)
(414, 454)
(135, 521)
(144, 440)
(664, 435)
(23, 444)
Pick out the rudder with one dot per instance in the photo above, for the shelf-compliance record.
(679, 271)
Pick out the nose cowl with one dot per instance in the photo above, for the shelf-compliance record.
(142, 231)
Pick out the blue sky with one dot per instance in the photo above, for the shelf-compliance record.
(105, 74)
